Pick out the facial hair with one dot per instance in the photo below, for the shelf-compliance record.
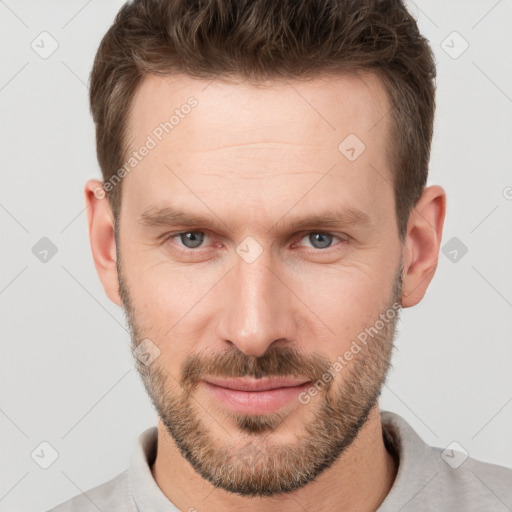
(260, 467)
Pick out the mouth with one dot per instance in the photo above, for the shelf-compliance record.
(255, 396)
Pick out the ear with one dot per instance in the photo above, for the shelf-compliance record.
(100, 220)
(421, 248)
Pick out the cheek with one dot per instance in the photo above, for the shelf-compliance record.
(343, 302)
(172, 308)
(160, 288)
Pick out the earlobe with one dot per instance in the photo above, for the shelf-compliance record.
(421, 248)
(101, 234)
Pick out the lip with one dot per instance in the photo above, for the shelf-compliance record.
(255, 396)
(250, 384)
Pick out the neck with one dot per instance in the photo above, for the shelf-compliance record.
(359, 480)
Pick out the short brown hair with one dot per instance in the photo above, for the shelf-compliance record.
(256, 40)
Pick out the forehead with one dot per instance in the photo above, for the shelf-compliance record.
(327, 106)
(218, 139)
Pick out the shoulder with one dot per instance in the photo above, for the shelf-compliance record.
(113, 495)
(476, 484)
(430, 478)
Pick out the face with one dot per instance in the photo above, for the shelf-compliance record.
(256, 240)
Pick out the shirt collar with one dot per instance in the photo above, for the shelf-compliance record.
(147, 495)
(417, 463)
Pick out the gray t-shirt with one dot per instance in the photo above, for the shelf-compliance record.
(428, 479)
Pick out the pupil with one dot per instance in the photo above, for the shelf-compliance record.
(323, 238)
(192, 239)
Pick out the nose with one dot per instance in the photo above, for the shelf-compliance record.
(256, 308)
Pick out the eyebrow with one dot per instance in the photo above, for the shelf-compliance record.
(168, 216)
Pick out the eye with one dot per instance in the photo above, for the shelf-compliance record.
(190, 239)
(322, 240)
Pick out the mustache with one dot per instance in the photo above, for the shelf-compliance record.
(275, 362)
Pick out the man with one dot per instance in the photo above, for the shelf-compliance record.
(263, 217)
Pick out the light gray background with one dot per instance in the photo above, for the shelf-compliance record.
(66, 370)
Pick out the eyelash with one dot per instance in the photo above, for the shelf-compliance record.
(343, 240)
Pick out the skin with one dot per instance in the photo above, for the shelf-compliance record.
(252, 156)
